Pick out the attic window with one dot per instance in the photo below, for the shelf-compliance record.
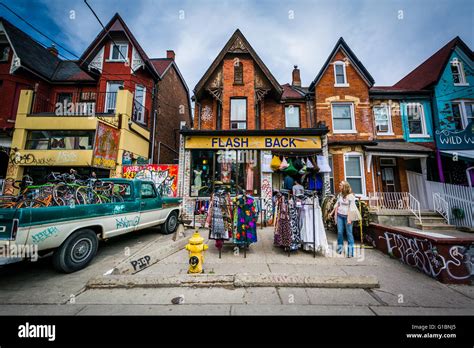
(457, 71)
(119, 52)
(340, 77)
(4, 53)
(238, 73)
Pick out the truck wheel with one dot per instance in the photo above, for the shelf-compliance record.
(171, 223)
(76, 252)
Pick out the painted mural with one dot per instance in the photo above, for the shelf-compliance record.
(165, 176)
(105, 146)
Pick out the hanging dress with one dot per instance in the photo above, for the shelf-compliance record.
(282, 237)
(295, 231)
(215, 218)
(246, 216)
(317, 226)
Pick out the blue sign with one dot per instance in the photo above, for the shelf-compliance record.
(456, 139)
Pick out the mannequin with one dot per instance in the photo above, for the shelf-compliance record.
(197, 178)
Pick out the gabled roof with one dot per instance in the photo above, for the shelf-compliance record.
(237, 35)
(163, 65)
(116, 24)
(429, 72)
(37, 59)
(291, 92)
(341, 44)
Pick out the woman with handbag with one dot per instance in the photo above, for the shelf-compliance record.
(345, 213)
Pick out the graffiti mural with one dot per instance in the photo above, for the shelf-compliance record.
(165, 176)
(105, 146)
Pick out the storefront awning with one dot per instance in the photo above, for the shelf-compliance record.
(465, 154)
(398, 149)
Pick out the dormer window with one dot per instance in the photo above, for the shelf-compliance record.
(4, 52)
(238, 73)
(340, 77)
(119, 52)
(457, 71)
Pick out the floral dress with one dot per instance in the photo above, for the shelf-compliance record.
(246, 216)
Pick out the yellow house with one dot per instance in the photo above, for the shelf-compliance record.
(34, 155)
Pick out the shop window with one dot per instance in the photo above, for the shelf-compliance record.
(238, 113)
(233, 170)
(343, 118)
(416, 119)
(353, 170)
(457, 70)
(292, 116)
(383, 124)
(60, 140)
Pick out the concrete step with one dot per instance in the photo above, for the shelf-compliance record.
(434, 227)
(429, 213)
(430, 219)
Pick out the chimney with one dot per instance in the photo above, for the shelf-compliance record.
(296, 81)
(53, 50)
(170, 54)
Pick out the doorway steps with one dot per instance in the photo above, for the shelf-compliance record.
(430, 221)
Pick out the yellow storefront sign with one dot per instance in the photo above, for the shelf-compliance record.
(253, 142)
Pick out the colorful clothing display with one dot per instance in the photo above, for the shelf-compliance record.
(282, 235)
(246, 220)
(219, 218)
(313, 233)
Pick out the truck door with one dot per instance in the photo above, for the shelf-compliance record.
(151, 212)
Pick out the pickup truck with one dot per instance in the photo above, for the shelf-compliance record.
(72, 233)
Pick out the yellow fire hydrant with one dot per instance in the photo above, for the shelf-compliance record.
(196, 247)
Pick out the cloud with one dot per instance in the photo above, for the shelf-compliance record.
(282, 32)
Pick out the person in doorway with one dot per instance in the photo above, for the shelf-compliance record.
(341, 217)
(298, 190)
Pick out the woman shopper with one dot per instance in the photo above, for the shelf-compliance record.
(344, 204)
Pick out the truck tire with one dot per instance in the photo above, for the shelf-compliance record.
(76, 252)
(171, 223)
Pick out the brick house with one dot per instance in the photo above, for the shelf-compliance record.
(114, 61)
(340, 93)
(241, 110)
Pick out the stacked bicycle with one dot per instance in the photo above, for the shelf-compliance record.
(61, 190)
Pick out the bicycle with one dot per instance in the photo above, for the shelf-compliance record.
(28, 196)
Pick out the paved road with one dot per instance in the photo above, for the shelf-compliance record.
(35, 288)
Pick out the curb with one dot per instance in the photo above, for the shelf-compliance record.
(235, 281)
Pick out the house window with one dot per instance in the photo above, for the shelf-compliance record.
(139, 104)
(4, 52)
(340, 77)
(416, 119)
(119, 52)
(238, 113)
(457, 70)
(331, 175)
(343, 118)
(238, 73)
(353, 170)
(463, 114)
(383, 123)
(292, 116)
(111, 96)
(60, 140)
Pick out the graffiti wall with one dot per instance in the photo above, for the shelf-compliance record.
(165, 176)
(105, 146)
(449, 260)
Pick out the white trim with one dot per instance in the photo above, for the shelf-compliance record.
(343, 64)
(362, 171)
(353, 124)
(299, 115)
(462, 103)
(120, 59)
(142, 120)
(389, 118)
(462, 75)
(471, 184)
(424, 134)
(398, 154)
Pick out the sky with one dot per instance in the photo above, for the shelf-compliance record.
(390, 37)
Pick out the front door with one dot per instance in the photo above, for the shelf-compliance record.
(388, 179)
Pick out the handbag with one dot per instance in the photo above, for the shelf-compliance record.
(275, 163)
(284, 164)
(353, 214)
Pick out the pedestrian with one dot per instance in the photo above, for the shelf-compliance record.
(345, 202)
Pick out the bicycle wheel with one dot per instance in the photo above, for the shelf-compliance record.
(30, 203)
(62, 195)
(84, 195)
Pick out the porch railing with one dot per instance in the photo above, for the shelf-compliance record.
(441, 206)
(395, 201)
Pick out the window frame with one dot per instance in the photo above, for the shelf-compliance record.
(362, 171)
(389, 116)
(343, 64)
(353, 124)
(240, 66)
(246, 114)
(119, 59)
(462, 107)
(424, 133)
(299, 116)
(141, 113)
(455, 62)
(107, 95)
(153, 189)
(3, 47)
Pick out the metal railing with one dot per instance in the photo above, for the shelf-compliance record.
(395, 201)
(74, 104)
(441, 206)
